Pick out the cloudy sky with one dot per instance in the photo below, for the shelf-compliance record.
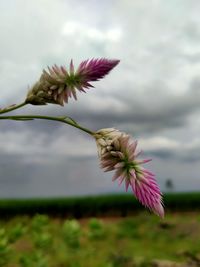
(153, 94)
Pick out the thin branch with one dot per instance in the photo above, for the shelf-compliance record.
(40, 117)
(11, 108)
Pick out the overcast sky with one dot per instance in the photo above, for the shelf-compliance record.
(153, 94)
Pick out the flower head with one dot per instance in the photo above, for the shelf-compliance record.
(58, 84)
(117, 152)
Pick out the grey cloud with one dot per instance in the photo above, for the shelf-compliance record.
(60, 178)
(152, 112)
(156, 111)
(161, 153)
(154, 90)
(189, 154)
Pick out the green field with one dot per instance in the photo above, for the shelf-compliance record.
(41, 241)
(111, 238)
(87, 206)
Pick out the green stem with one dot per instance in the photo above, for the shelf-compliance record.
(60, 119)
(11, 108)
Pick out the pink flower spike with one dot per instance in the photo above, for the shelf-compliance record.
(64, 71)
(143, 161)
(71, 68)
(148, 194)
(67, 82)
(121, 179)
(118, 153)
(127, 183)
(159, 210)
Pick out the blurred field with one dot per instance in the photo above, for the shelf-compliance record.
(41, 241)
(103, 205)
(138, 240)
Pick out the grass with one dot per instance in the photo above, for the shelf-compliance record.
(45, 241)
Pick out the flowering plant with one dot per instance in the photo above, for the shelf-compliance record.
(117, 150)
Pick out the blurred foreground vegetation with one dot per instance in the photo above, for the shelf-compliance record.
(102, 231)
(141, 240)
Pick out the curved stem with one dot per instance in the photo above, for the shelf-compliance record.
(11, 108)
(40, 117)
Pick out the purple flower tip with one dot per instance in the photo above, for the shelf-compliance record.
(95, 69)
